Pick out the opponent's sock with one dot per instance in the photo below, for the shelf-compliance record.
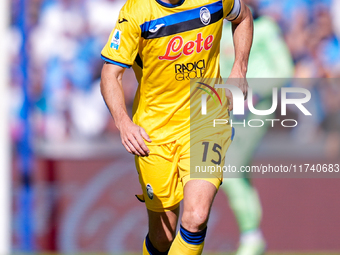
(251, 236)
(188, 243)
(149, 249)
(252, 243)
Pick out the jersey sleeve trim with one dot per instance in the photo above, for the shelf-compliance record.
(115, 62)
(235, 11)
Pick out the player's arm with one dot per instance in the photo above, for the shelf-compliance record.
(242, 29)
(111, 88)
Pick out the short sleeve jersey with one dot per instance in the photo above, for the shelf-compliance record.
(168, 45)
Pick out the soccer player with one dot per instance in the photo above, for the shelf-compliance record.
(269, 58)
(168, 43)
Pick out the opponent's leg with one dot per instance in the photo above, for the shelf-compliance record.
(162, 229)
(198, 198)
(244, 201)
(243, 197)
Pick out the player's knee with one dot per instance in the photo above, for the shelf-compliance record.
(195, 220)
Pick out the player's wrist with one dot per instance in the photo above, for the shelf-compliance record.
(122, 122)
(239, 70)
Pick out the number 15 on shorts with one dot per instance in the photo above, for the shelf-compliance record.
(216, 157)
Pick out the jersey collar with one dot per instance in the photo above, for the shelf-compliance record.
(170, 5)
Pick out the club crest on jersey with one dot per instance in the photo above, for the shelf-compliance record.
(115, 42)
(149, 191)
(205, 15)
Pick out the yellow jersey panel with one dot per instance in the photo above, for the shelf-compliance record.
(168, 46)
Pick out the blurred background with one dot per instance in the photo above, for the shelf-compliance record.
(73, 184)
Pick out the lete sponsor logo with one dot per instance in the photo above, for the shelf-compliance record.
(176, 46)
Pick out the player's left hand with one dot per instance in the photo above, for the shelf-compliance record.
(238, 79)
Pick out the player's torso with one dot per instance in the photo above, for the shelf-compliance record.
(180, 43)
(177, 45)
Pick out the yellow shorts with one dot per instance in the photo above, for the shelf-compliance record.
(166, 170)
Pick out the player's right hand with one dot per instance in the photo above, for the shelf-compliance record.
(238, 79)
(133, 137)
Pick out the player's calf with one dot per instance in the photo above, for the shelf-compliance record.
(162, 246)
(162, 230)
(160, 240)
(198, 197)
